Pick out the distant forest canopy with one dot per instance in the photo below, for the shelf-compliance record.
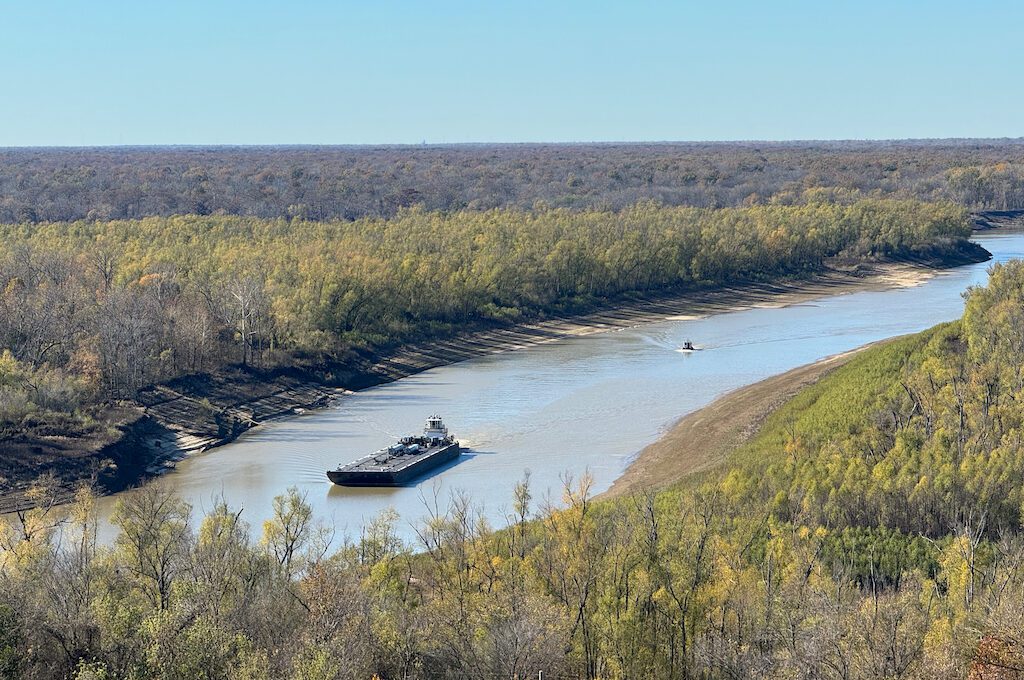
(114, 306)
(326, 183)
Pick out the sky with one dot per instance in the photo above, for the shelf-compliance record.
(376, 71)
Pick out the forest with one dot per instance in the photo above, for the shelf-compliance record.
(90, 312)
(345, 183)
(871, 529)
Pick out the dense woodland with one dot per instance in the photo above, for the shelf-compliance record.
(325, 183)
(92, 311)
(871, 530)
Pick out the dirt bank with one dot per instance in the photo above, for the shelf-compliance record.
(632, 311)
(998, 219)
(704, 438)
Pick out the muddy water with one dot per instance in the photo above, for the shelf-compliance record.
(579, 405)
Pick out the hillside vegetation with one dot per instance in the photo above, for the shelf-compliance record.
(871, 530)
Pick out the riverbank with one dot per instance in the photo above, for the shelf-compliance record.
(701, 440)
(196, 413)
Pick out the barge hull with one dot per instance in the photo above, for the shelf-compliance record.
(365, 475)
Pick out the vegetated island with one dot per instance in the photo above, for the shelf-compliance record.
(133, 342)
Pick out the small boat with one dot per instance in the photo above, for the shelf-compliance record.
(688, 347)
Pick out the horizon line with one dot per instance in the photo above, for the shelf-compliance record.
(425, 144)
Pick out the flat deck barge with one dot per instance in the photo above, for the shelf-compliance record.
(403, 462)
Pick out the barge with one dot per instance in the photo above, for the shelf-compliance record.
(403, 462)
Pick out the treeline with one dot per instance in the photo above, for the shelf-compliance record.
(95, 310)
(871, 530)
(346, 183)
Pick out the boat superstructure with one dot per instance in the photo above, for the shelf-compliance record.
(402, 462)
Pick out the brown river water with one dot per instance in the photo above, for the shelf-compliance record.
(586, 404)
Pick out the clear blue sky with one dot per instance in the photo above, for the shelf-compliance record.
(373, 71)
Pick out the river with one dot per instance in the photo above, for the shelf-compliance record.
(586, 404)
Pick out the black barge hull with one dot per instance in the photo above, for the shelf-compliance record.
(395, 477)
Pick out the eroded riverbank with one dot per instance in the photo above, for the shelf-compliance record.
(197, 413)
(583, 405)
